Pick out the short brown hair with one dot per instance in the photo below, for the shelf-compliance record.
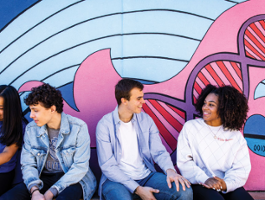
(124, 87)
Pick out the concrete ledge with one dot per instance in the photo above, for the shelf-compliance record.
(257, 195)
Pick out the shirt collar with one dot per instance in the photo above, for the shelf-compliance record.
(64, 127)
(117, 118)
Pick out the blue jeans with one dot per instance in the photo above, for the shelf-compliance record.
(114, 190)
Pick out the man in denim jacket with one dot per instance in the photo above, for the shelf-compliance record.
(56, 152)
(128, 144)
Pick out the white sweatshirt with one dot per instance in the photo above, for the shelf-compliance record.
(200, 155)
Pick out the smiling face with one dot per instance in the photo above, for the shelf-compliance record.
(210, 110)
(40, 114)
(1, 108)
(135, 104)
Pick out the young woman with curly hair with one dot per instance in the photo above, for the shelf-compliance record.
(212, 153)
(12, 125)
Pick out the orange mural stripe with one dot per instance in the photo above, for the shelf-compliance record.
(180, 113)
(203, 79)
(257, 31)
(253, 50)
(197, 87)
(255, 41)
(174, 122)
(222, 66)
(214, 75)
(171, 141)
(238, 71)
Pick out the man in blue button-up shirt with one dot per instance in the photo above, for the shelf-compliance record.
(128, 144)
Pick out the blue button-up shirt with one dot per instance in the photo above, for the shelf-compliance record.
(109, 148)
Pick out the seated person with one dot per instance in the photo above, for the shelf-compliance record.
(12, 126)
(128, 142)
(56, 151)
(212, 153)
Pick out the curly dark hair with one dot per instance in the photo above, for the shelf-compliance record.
(232, 105)
(47, 96)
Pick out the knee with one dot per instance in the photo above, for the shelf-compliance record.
(187, 194)
(113, 190)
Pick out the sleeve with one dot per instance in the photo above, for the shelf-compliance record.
(185, 162)
(238, 174)
(158, 151)
(107, 161)
(29, 164)
(80, 165)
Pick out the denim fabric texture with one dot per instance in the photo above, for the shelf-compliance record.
(72, 150)
(109, 149)
(113, 190)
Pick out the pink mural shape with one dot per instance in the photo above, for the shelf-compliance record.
(95, 80)
(94, 85)
(223, 68)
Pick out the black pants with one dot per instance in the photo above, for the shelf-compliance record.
(6, 180)
(202, 193)
(20, 191)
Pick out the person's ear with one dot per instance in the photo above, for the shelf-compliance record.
(124, 101)
(53, 108)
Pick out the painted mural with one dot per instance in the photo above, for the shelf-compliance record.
(173, 47)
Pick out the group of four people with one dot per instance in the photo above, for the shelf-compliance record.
(212, 154)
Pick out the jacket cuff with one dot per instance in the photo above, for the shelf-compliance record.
(38, 183)
(32, 185)
(54, 191)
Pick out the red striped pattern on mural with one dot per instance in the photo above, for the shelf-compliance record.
(168, 119)
(254, 40)
(218, 73)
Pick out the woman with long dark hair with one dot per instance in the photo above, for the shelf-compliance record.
(12, 125)
(212, 152)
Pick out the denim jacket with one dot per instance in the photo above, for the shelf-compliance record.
(109, 149)
(72, 150)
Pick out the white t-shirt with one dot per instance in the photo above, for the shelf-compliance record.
(131, 162)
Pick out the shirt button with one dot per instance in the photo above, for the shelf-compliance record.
(38, 154)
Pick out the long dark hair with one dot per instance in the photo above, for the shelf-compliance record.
(12, 128)
(232, 108)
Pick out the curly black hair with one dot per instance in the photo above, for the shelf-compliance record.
(47, 96)
(232, 105)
